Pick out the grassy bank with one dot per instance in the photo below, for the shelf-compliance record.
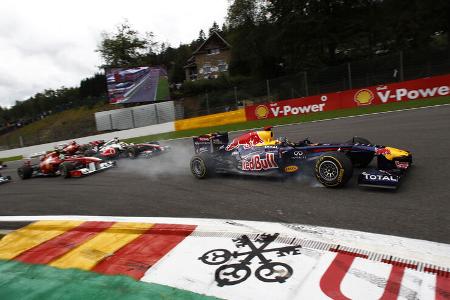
(69, 124)
(162, 93)
(11, 158)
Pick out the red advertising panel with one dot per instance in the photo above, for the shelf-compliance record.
(404, 91)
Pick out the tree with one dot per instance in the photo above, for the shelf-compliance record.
(126, 46)
(214, 28)
(201, 36)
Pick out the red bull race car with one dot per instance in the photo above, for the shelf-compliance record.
(56, 163)
(259, 153)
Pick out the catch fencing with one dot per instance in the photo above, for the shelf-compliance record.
(379, 69)
(139, 116)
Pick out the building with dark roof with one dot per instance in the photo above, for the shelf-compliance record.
(210, 60)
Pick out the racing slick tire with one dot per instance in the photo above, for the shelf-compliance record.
(89, 153)
(361, 160)
(333, 169)
(65, 169)
(202, 166)
(132, 153)
(25, 172)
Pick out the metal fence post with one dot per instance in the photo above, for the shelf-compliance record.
(111, 122)
(268, 90)
(402, 77)
(156, 113)
(207, 103)
(349, 70)
(21, 141)
(305, 79)
(236, 97)
(132, 119)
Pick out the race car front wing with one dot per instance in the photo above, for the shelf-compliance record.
(4, 179)
(379, 179)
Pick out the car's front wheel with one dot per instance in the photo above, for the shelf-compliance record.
(333, 169)
(65, 169)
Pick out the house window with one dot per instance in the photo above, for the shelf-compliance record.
(213, 51)
(223, 67)
(207, 69)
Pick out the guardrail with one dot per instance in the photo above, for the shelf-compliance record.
(138, 116)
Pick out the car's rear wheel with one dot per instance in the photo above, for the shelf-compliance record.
(333, 169)
(131, 153)
(202, 166)
(25, 172)
(65, 168)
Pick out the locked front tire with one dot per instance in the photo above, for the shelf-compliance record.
(333, 169)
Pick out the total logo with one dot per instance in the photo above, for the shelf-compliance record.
(256, 163)
(380, 177)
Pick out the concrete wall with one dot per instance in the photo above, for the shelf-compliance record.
(124, 134)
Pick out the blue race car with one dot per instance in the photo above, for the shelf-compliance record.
(259, 153)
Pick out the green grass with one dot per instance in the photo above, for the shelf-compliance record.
(294, 119)
(69, 124)
(162, 93)
(11, 158)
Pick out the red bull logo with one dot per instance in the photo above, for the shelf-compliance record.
(256, 163)
(247, 140)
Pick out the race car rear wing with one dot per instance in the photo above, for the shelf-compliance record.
(210, 142)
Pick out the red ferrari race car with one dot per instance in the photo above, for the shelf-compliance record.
(56, 163)
(74, 148)
(114, 149)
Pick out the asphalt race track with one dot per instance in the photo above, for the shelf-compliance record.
(163, 186)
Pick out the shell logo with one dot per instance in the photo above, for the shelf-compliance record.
(261, 111)
(291, 169)
(364, 97)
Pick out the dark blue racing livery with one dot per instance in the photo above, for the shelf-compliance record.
(259, 153)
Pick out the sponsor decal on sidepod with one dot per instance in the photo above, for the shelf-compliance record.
(256, 163)
(291, 169)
